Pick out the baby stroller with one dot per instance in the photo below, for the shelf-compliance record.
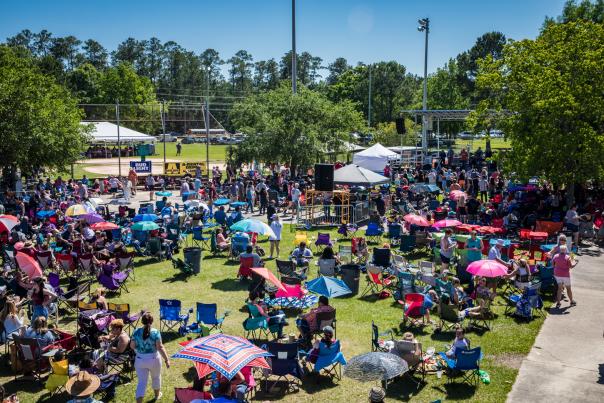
(92, 324)
(586, 226)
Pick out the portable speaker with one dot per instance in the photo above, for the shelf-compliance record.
(324, 177)
(400, 126)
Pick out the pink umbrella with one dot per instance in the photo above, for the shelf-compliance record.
(487, 268)
(456, 194)
(104, 226)
(416, 220)
(29, 265)
(92, 218)
(7, 222)
(447, 223)
(268, 275)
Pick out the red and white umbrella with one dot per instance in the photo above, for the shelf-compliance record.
(415, 219)
(7, 222)
(28, 265)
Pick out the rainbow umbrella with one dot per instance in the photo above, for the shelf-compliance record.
(104, 226)
(487, 268)
(447, 223)
(415, 219)
(224, 353)
(145, 226)
(8, 222)
(28, 265)
(77, 210)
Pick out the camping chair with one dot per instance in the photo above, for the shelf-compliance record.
(122, 365)
(485, 316)
(58, 377)
(154, 248)
(86, 265)
(199, 239)
(291, 280)
(402, 348)
(547, 279)
(373, 232)
(187, 395)
(66, 263)
(122, 311)
(207, 315)
(376, 282)
(238, 245)
(255, 325)
(9, 257)
(399, 262)
(301, 236)
(413, 309)
(422, 240)
(381, 257)
(405, 284)
(327, 267)
(378, 344)
(170, 317)
(286, 268)
(114, 282)
(184, 267)
(529, 297)
(323, 240)
(245, 266)
(329, 361)
(44, 259)
(345, 253)
(69, 300)
(284, 365)
(450, 317)
(31, 357)
(87, 306)
(464, 363)
(407, 243)
(426, 267)
(394, 233)
(325, 319)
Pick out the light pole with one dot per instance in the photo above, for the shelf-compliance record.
(424, 26)
(369, 100)
(207, 119)
(294, 62)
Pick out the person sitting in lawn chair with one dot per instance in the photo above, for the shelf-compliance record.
(222, 242)
(302, 255)
(307, 324)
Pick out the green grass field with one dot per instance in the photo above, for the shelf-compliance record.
(503, 347)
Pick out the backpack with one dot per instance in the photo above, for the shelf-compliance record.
(523, 308)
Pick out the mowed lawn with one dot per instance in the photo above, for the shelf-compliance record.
(503, 347)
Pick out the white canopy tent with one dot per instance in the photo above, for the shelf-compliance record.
(375, 158)
(106, 132)
(353, 175)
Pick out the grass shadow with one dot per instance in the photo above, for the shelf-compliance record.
(178, 276)
(229, 284)
(457, 391)
(314, 383)
(404, 388)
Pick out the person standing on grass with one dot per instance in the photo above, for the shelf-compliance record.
(277, 227)
(178, 148)
(133, 178)
(563, 263)
(146, 342)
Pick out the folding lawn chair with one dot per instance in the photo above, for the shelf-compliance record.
(381, 257)
(402, 348)
(325, 319)
(329, 361)
(255, 325)
(327, 267)
(345, 252)
(485, 316)
(373, 233)
(170, 316)
(187, 395)
(44, 259)
(378, 344)
(450, 317)
(154, 248)
(301, 236)
(284, 366)
(376, 282)
(407, 243)
(184, 267)
(87, 266)
(466, 364)
(413, 309)
(394, 233)
(286, 268)
(31, 356)
(323, 240)
(66, 263)
(207, 315)
(199, 239)
(245, 267)
(122, 311)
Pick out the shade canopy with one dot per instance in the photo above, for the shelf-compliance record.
(354, 175)
(106, 132)
(375, 158)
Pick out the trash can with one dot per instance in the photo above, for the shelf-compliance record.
(351, 274)
(192, 256)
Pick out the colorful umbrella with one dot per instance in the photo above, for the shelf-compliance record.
(328, 286)
(76, 210)
(8, 222)
(268, 275)
(204, 370)
(456, 194)
(196, 203)
(415, 219)
(145, 217)
(293, 303)
(251, 225)
(95, 201)
(45, 213)
(92, 218)
(104, 226)
(145, 226)
(221, 202)
(164, 193)
(29, 265)
(447, 222)
(224, 353)
(487, 268)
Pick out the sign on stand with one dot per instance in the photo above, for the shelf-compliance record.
(141, 167)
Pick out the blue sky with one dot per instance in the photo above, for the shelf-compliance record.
(367, 31)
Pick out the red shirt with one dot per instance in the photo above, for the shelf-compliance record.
(562, 265)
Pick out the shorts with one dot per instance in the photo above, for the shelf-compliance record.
(572, 227)
(461, 211)
(445, 259)
(563, 281)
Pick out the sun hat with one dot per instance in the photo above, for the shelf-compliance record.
(376, 394)
(82, 384)
(500, 242)
(328, 329)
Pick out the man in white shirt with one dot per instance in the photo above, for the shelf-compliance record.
(432, 177)
(295, 198)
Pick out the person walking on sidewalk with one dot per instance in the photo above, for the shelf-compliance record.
(563, 263)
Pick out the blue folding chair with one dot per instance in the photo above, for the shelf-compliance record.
(373, 232)
(170, 316)
(285, 366)
(239, 244)
(207, 314)
(465, 363)
(329, 361)
(199, 239)
(140, 236)
(394, 233)
(407, 243)
(433, 205)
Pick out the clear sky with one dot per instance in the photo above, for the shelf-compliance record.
(367, 31)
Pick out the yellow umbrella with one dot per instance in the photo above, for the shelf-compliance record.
(76, 210)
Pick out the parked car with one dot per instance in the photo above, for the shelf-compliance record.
(169, 138)
(188, 140)
(466, 135)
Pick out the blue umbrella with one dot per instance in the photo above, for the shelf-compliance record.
(187, 194)
(45, 213)
(145, 217)
(221, 202)
(328, 286)
(251, 225)
(164, 193)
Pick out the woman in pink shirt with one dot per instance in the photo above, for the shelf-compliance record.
(562, 264)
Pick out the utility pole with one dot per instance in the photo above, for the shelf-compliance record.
(369, 100)
(163, 128)
(294, 62)
(207, 119)
(119, 143)
(424, 26)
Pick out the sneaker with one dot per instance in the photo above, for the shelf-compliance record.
(573, 303)
(557, 305)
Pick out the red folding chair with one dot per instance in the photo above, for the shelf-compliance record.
(413, 309)
(245, 266)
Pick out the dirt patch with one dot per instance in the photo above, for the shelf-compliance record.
(510, 360)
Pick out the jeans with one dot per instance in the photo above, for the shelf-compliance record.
(146, 364)
(39, 310)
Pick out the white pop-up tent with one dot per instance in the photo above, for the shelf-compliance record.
(106, 132)
(375, 158)
(353, 175)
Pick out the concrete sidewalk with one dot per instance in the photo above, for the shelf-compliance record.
(566, 363)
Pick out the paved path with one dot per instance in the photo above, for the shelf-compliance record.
(566, 363)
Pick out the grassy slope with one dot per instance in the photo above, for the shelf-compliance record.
(503, 347)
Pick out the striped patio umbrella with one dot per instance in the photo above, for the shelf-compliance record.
(7, 222)
(226, 354)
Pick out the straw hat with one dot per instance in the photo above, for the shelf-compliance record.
(376, 394)
(82, 384)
